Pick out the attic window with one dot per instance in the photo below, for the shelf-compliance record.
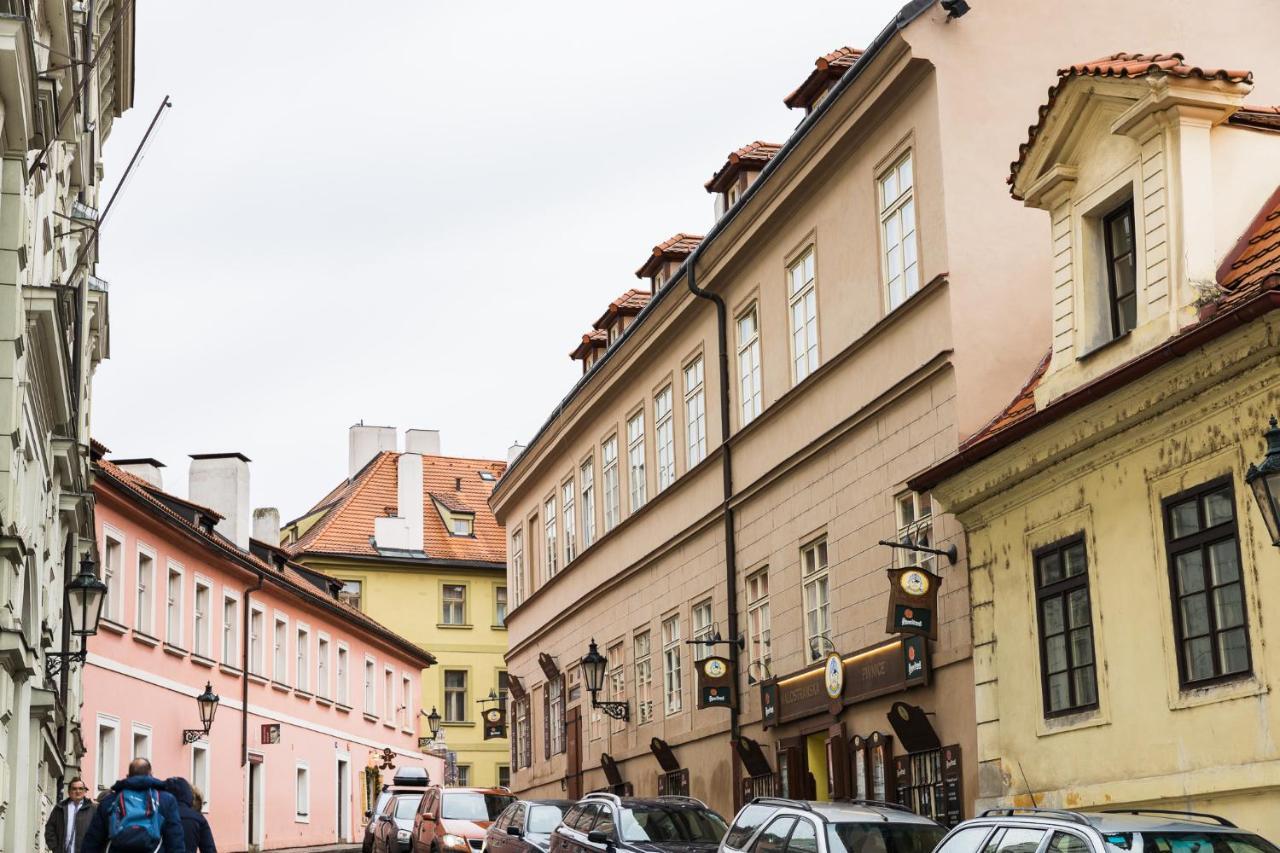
(731, 197)
(658, 280)
(487, 477)
(462, 525)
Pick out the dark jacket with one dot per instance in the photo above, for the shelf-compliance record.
(172, 840)
(55, 829)
(195, 827)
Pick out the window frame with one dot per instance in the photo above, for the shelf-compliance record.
(807, 579)
(1061, 590)
(1109, 258)
(113, 576)
(759, 617)
(812, 348)
(201, 780)
(702, 632)
(695, 396)
(644, 677)
(610, 482)
(342, 674)
(550, 536)
(664, 437)
(301, 791)
(174, 610)
(145, 592)
(587, 499)
(637, 462)
(280, 650)
(569, 525)
(913, 527)
(750, 403)
(202, 583)
(302, 657)
(889, 209)
(517, 564)
(445, 610)
(229, 650)
(672, 666)
(257, 650)
(370, 685)
(107, 761)
(503, 600)
(446, 690)
(324, 674)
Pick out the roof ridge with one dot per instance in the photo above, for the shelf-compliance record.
(364, 477)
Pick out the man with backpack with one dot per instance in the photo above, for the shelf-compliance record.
(140, 816)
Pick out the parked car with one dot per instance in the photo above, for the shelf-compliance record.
(600, 822)
(454, 820)
(1119, 831)
(408, 780)
(525, 826)
(777, 825)
(394, 824)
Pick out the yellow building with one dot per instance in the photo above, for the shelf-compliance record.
(412, 536)
(1119, 562)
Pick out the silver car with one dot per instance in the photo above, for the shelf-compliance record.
(774, 825)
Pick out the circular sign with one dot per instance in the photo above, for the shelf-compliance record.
(833, 675)
(493, 715)
(715, 668)
(914, 582)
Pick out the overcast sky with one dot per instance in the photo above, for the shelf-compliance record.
(409, 212)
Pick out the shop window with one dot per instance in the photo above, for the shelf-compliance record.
(1067, 670)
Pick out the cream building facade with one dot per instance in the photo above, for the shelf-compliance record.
(66, 72)
(1120, 568)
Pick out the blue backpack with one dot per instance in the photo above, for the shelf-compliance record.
(135, 821)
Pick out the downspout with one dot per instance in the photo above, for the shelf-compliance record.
(244, 671)
(730, 547)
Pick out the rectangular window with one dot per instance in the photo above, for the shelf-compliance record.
(636, 479)
(202, 623)
(143, 615)
(898, 231)
(455, 696)
(1117, 237)
(695, 414)
(749, 364)
(517, 565)
(549, 536)
(1067, 670)
(499, 605)
(503, 682)
(257, 660)
(803, 302)
(200, 772)
(703, 628)
(141, 742)
(454, 604)
(813, 562)
(644, 679)
(322, 667)
(302, 660)
(108, 754)
(609, 475)
(113, 577)
(406, 702)
(370, 687)
(351, 593)
(532, 553)
(664, 438)
(617, 679)
(555, 694)
(462, 775)
(524, 736)
(915, 523)
(302, 792)
(344, 695)
(588, 491)
(570, 521)
(230, 612)
(504, 776)
(1210, 623)
(173, 608)
(389, 709)
(280, 651)
(758, 632)
(671, 682)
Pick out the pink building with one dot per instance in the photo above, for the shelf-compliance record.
(313, 693)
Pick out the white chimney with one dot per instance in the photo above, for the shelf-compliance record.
(513, 452)
(366, 442)
(220, 481)
(425, 441)
(266, 525)
(144, 469)
(403, 531)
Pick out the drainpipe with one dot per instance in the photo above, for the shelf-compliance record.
(730, 548)
(244, 672)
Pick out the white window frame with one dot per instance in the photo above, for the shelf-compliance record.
(617, 677)
(637, 476)
(144, 616)
(446, 604)
(749, 379)
(202, 635)
(302, 657)
(802, 314)
(695, 411)
(257, 646)
(390, 712)
(587, 492)
(302, 792)
(703, 622)
(107, 771)
(324, 650)
(342, 672)
(816, 591)
(609, 482)
(280, 648)
(113, 576)
(173, 610)
(568, 509)
(549, 540)
(406, 701)
(898, 213)
(672, 676)
(516, 581)
(201, 780)
(759, 630)
(664, 438)
(140, 731)
(501, 605)
(370, 686)
(913, 514)
(643, 666)
(230, 633)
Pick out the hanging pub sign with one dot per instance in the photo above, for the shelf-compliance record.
(715, 683)
(495, 723)
(913, 602)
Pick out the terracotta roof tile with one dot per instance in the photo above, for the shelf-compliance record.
(452, 503)
(1263, 118)
(675, 248)
(1022, 407)
(754, 156)
(594, 339)
(827, 68)
(347, 525)
(1128, 66)
(627, 305)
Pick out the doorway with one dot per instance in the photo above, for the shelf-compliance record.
(257, 795)
(344, 800)
(573, 753)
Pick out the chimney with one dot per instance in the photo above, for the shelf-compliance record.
(144, 469)
(403, 531)
(513, 452)
(366, 442)
(266, 525)
(424, 441)
(220, 481)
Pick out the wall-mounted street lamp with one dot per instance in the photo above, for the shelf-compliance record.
(433, 722)
(1264, 479)
(594, 666)
(85, 594)
(208, 703)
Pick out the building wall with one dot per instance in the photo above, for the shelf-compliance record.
(150, 682)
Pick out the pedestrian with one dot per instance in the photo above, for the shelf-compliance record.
(195, 828)
(140, 815)
(69, 821)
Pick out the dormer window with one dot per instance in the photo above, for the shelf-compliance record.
(1117, 234)
(659, 279)
(615, 330)
(731, 197)
(463, 525)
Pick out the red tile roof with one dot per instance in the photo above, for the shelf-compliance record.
(827, 68)
(594, 339)
(627, 305)
(1128, 66)
(288, 576)
(1262, 118)
(675, 248)
(754, 156)
(349, 510)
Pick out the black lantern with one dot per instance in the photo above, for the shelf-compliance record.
(433, 722)
(1264, 479)
(594, 666)
(85, 595)
(208, 704)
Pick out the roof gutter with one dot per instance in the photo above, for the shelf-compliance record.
(908, 13)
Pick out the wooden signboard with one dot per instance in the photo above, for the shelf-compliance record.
(884, 668)
(495, 724)
(913, 602)
(715, 683)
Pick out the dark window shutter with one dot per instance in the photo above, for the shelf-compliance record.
(546, 722)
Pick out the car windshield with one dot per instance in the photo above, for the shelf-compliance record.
(473, 805)
(1187, 842)
(663, 823)
(883, 837)
(543, 819)
(407, 807)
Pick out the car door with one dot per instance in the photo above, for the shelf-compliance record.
(384, 838)
(424, 822)
(560, 836)
(774, 837)
(496, 838)
(519, 820)
(576, 837)
(605, 823)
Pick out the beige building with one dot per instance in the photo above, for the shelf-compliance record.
(1120, 566)
(740, 443)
